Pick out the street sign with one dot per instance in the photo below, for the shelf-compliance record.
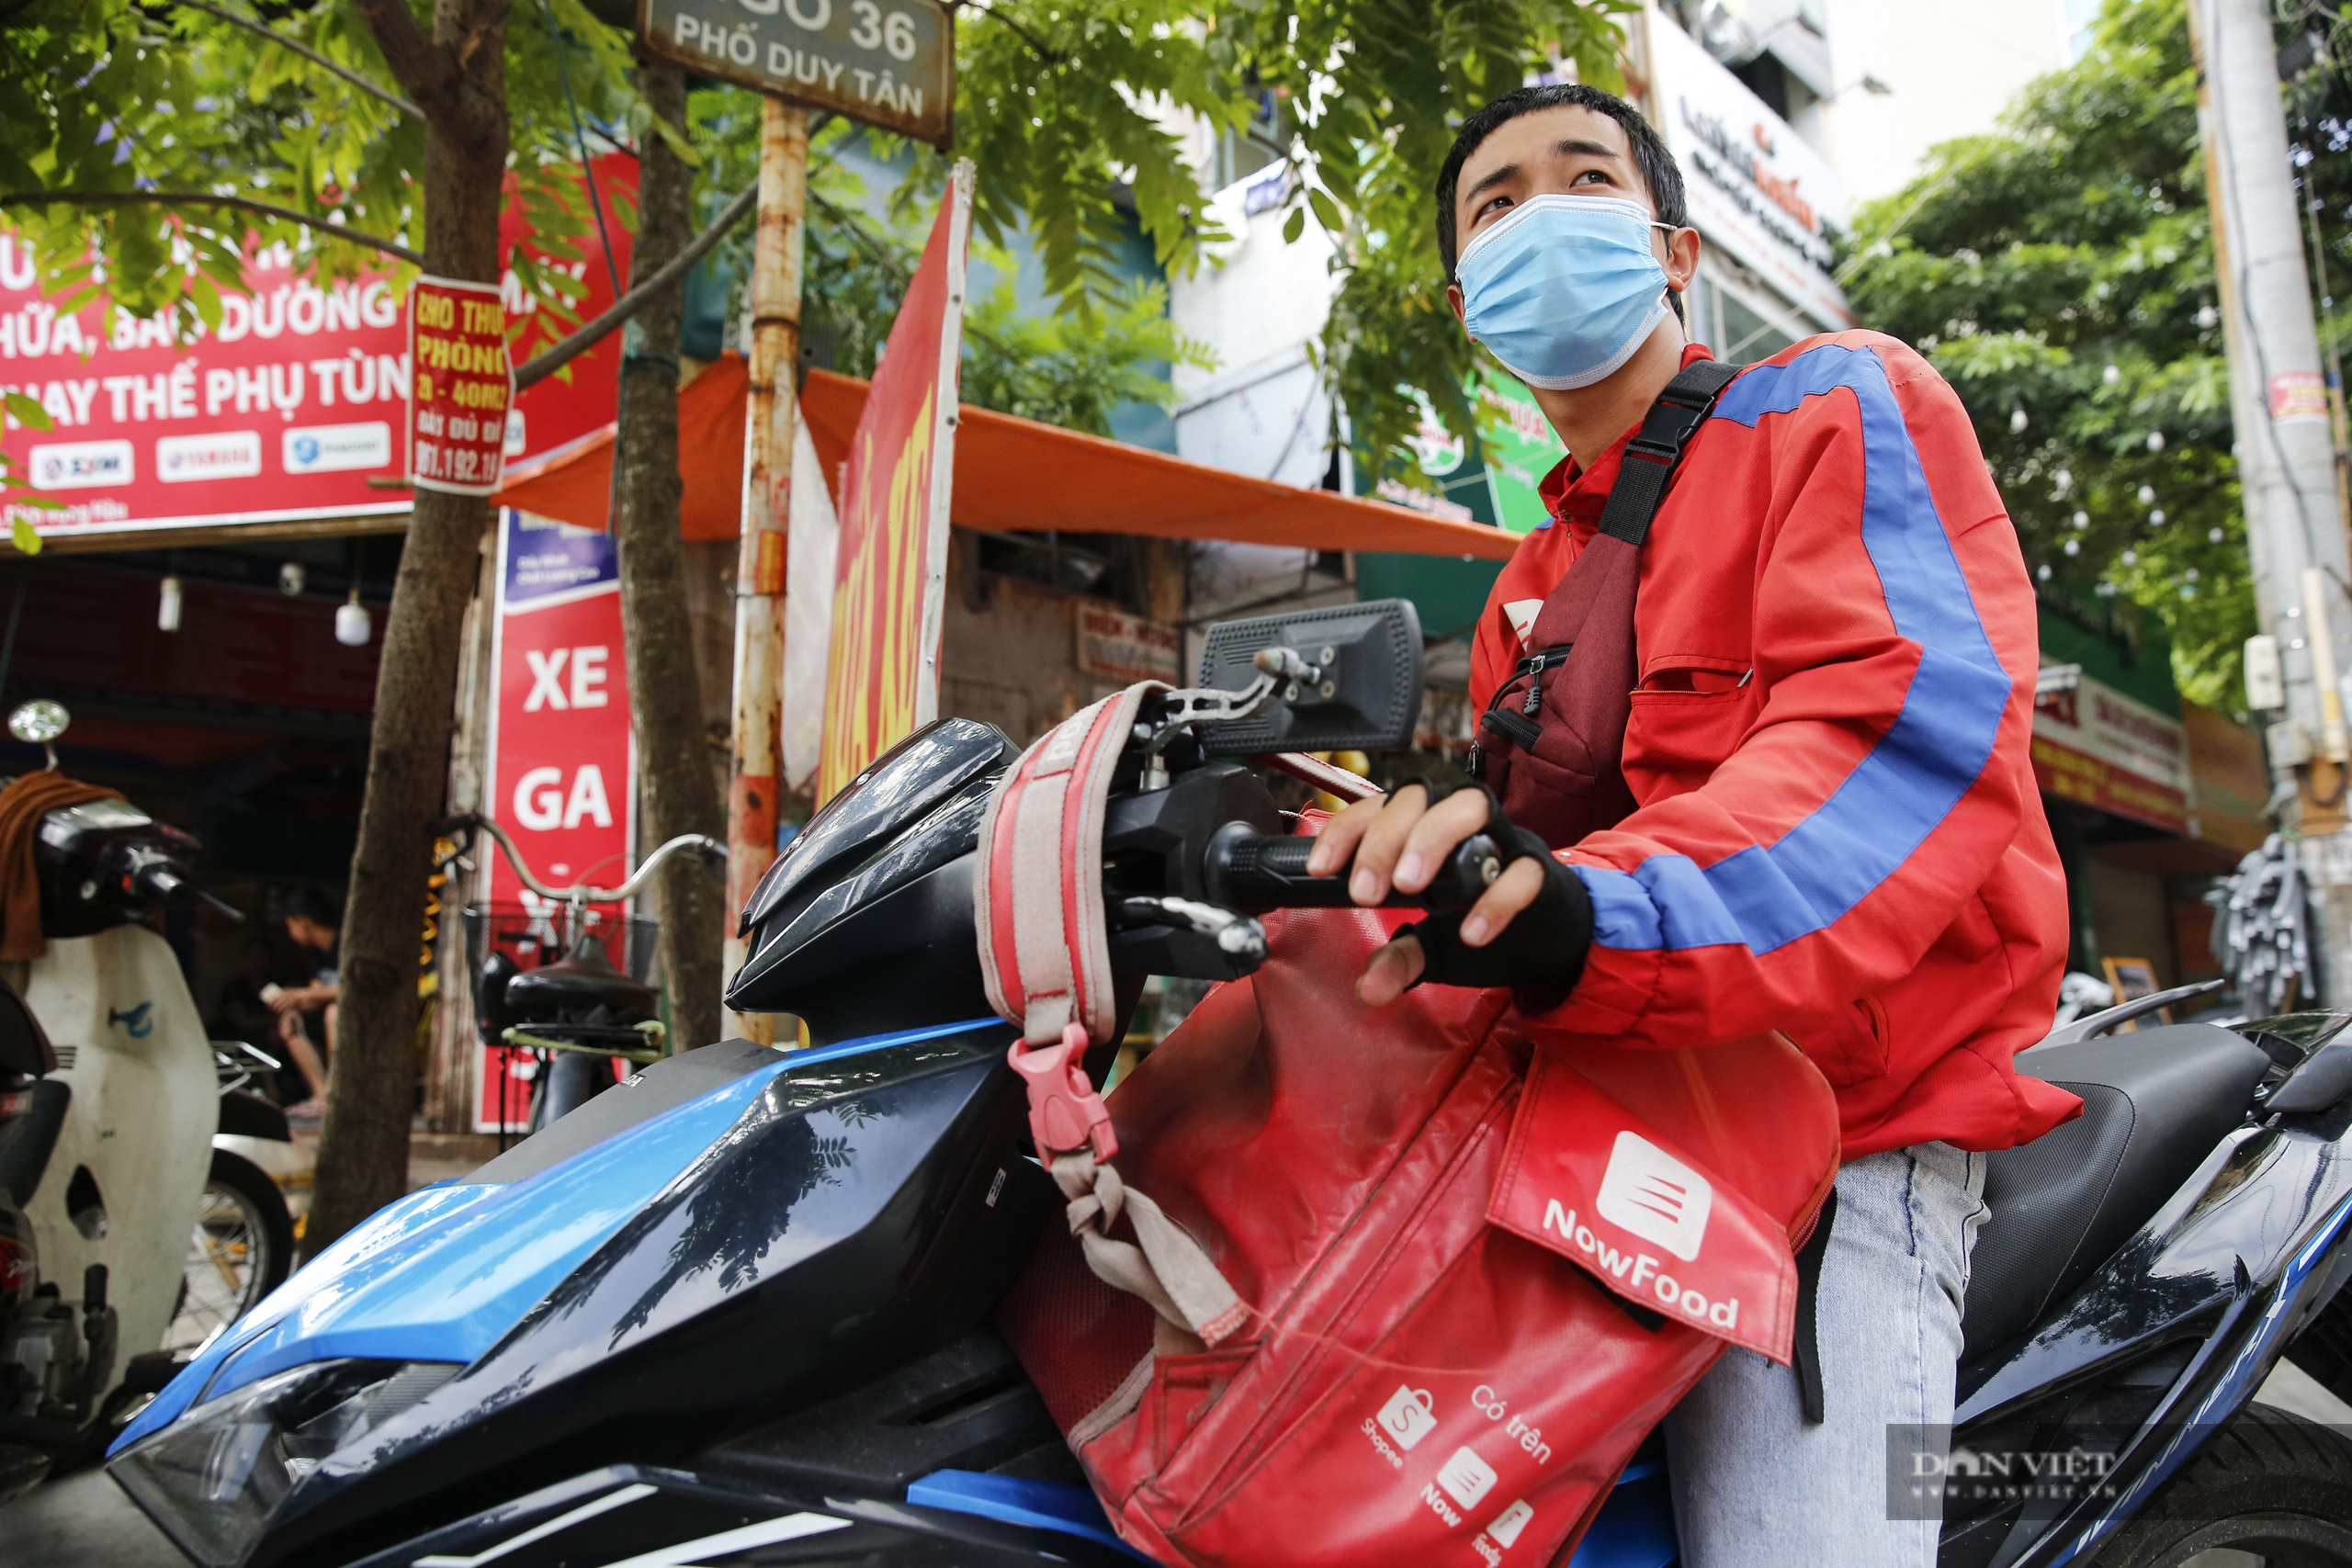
(885, 62)
(463, 387)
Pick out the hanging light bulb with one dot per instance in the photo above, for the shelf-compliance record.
(352, 623)
(2073, 546)
(2082, 519)
(2190, 575)
(2112, 375)
(2017, 421)
(2207, 317)
(2130, 558)
(2043, 572)
(2148, 495)
(2155, 441)
(167, 607)
(2156, 517)
(2065, 480)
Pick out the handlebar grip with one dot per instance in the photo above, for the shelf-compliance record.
(1254, 873)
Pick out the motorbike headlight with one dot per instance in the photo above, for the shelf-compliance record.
(213, 1477)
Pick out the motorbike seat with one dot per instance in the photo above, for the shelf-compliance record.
(2155, 1104)
(24, 1050)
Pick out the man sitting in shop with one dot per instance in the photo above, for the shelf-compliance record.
(315, 926)
(1828, 825)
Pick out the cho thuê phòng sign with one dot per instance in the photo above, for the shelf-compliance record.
(461, 386)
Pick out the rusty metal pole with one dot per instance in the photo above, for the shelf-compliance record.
(755, 766)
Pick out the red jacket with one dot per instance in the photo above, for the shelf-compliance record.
(1837, 833)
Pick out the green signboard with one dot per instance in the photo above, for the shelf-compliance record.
(1498, 490)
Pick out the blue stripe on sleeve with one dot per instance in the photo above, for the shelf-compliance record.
(1765, 896)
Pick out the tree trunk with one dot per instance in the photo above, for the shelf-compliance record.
(673, 754)
(459, 75)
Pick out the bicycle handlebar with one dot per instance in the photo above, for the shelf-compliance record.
(582, 892)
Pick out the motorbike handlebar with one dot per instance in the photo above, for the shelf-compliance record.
(582, 892)
(1256, 873)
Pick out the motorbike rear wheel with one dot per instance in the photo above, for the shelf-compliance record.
(2271, 1488)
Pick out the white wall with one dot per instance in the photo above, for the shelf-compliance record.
(1954, 67)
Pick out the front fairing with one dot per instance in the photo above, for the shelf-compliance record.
(797, 1226)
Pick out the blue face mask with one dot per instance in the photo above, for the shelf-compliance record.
(1564, 288)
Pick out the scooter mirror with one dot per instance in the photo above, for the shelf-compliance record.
(1347, 677)
(39, 722)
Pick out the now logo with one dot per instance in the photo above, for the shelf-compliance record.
(1652, 1195)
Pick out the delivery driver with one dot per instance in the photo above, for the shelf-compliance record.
(1836, 830)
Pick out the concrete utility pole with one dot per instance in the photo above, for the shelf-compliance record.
(755, 766)
(2285, 444)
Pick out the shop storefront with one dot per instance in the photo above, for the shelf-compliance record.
(208, 596)
(2149, 796)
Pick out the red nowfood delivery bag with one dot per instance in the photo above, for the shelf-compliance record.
(1479, 1259)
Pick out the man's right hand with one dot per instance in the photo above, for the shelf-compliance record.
(1400, 841)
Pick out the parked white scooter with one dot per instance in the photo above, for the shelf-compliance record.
(115, 1209)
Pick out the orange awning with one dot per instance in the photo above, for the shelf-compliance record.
(574, 482)
(1010, 473)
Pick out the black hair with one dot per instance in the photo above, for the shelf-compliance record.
(304, 904)
(1656, 164)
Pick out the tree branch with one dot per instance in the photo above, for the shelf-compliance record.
(416, 63)
(629, 304)
(312, 55)
(198, 198)
(897, 266)
(1049, 56)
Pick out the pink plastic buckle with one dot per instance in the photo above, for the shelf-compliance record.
(1065, 1113)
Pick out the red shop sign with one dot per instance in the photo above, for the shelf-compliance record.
(288, 411)
(462, 386)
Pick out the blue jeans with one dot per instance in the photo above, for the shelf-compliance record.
(1755, 1485)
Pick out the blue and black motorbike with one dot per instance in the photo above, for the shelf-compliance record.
(735, 1309)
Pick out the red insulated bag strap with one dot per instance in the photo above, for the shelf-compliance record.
(1552, 738)
(1045, 958)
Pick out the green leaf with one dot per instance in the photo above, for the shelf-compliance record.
(1295, 225)
(1326, 211)
(24, 537)
(27, 412)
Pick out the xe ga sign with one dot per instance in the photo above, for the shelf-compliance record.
(886, 62)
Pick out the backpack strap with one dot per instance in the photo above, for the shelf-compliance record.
(1657, 448)
(1643, 476)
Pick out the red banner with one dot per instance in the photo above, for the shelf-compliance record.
(561, 778)
(462, 384)
(890, 575)
(285, 412)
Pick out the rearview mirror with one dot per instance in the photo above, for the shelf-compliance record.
(1346, 678)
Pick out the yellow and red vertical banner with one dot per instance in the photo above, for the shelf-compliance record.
(462, 384)
(890, 573)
